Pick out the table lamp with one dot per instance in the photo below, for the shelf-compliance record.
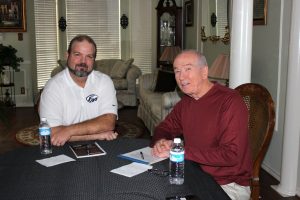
(219, 69)
(169, 53)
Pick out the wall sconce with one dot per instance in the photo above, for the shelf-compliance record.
(226, 37)
(215, 38)
(124, 21)
(213, 19)
(203, 36)
(62, 24)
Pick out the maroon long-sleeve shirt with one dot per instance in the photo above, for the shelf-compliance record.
(215, 131)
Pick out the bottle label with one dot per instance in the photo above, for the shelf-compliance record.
(44, 131)
(177, 156)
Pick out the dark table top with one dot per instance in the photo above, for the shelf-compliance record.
(21, 177)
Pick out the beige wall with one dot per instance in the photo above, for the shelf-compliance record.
(25, 50)
(269, 68)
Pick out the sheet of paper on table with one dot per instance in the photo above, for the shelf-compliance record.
(55, 160)
(132, 169)
(142, 155)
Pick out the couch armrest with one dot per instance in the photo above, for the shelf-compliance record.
(56, 70)
(132, 75)
(147, 81)
(169, 99)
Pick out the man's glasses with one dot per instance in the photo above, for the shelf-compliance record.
(159, 172)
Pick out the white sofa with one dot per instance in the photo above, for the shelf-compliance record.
(154, 106)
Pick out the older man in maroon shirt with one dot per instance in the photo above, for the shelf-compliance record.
(214, 122)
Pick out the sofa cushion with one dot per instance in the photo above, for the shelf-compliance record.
(120, 83)
(120, 68)
(165, 81)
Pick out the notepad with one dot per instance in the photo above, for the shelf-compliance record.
(87, 150)
(131, 169)
(55, 160)
(142, 155)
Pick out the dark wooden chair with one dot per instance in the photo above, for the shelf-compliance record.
(261, 126)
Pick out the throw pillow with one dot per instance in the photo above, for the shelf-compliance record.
(165, 81)
(120, 68)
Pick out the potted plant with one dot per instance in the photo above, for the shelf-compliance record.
(8, 57)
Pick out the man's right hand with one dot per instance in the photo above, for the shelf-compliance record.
(108, 135)
(60, 135)
(162, 148)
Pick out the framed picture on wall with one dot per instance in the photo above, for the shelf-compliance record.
(260, 12)
(189, 12)
(12, 16)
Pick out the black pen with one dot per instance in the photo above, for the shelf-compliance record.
(142, 155)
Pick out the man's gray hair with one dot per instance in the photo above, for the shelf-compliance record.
(201, 59)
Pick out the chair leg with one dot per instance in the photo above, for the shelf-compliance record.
(255, 190)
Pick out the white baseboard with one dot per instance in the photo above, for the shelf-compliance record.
(276, 175)
(271, 171)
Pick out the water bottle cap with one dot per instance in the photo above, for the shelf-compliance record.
(177, 140)
(43, 119)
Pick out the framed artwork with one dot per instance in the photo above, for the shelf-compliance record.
(260, 12)
(12, 16)
(189, 12)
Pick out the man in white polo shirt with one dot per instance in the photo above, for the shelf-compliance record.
(79, 102)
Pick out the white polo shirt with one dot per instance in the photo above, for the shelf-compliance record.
(63, 102)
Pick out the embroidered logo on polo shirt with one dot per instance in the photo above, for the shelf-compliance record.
(91, 98)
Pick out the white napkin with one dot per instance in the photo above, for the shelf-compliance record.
(55, 160)
(131, 169)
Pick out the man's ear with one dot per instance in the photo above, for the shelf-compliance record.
(205, 72)
(66, 55)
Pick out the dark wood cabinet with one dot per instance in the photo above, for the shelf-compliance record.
(169, 32)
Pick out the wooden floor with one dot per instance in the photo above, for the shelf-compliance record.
(24, 117)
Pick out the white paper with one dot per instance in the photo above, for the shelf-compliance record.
(136, 156)
(55, 160)
(131, 169)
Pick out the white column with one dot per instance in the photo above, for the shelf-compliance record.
(241, 42)
(289, 166)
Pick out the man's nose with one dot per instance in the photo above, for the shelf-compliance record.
(83, 59)
(181, 75)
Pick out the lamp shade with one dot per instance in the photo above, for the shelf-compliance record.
(169, 54)
(220, 67)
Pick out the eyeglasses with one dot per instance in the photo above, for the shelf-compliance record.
(159, 172)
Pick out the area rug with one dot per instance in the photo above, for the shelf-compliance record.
(29, 135)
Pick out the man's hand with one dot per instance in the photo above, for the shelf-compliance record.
(162, 148)
(108, 135)
(60, 135)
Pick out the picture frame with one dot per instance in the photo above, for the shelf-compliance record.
(189, 12)
(260, 12)
(12, 15)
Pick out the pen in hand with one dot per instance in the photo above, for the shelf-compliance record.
(142, 155)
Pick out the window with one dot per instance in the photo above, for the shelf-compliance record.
(221, 12)
(46, 36)
(98, 19)
(141, 34)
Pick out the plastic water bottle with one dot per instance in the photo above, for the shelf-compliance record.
(44, 134)
(176, 166)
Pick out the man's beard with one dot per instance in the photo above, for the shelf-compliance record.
(81, 72)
